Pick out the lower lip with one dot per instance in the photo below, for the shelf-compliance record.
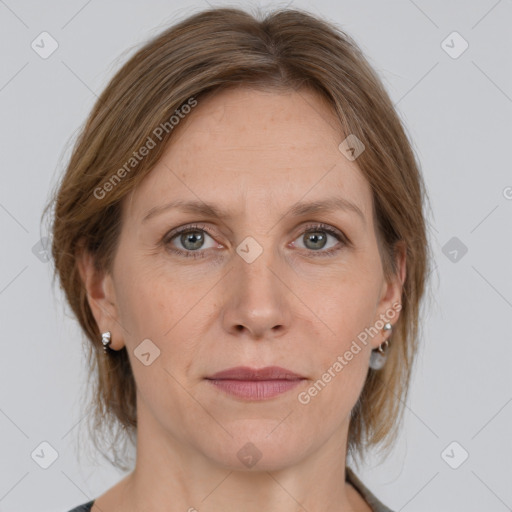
(255, 390)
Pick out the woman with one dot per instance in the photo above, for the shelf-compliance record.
(240, 234)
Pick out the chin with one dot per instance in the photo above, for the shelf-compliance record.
(262, 449)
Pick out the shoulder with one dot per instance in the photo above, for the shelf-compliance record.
(86, 507)
(369, 497)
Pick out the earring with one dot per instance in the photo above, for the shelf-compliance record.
(379, 356)
(105, 339)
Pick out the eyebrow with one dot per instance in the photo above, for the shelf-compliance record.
(327, 205)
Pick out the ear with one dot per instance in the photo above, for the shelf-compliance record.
(390, 302)
(101, 297)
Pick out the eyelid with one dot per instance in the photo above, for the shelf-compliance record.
(311, 227)
(331, 230)
(320, 226)
(186, 228)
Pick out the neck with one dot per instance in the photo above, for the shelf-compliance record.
(171, 476)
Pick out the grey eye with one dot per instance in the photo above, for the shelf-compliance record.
(316, 239)
(191, 240)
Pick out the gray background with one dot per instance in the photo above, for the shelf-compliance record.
(458, 113)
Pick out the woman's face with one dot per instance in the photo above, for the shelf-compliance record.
(248, 286)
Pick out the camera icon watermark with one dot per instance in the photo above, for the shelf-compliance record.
(454, 455)
(351, 147)
(454, 249)
(249, 249)
(249, 455)
(40, 249)
(147, 352)
(44, 455)
(454, 45)
(44, 45)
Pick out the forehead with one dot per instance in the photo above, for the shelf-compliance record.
(242, 146)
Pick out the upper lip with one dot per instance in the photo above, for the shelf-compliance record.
(247, 373)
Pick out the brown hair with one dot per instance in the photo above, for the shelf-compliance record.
(209, 51)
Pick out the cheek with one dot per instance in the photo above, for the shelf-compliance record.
(344, 309)
(166, 308)
(330, 399)
(155, 306)
(152, 295)
(343, 305)
(340, 353)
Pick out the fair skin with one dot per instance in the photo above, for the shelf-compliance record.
(255, 154)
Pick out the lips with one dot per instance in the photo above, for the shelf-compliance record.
(253, 384)
(252, 374)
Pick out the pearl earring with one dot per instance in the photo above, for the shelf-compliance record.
(105, 339)
(379, 356)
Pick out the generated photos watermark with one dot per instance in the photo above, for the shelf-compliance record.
(144, 150)
(341, 361)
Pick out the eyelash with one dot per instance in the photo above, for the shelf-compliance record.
(202, 253)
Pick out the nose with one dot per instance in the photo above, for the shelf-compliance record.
(257, 299)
